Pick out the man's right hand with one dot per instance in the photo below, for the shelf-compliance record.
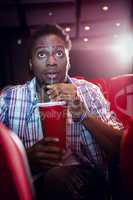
(44, 154)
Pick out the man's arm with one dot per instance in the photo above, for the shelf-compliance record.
(106, 136)
(100, 122)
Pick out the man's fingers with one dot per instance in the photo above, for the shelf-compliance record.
(48, 163)
(49, 156)
(53, 93)
(51, 149)
(48, 145)
(62, 88)
(49, 140)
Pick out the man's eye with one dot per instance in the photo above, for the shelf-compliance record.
(42, 55)
(59, 53)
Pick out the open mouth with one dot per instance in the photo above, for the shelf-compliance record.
(51, 75)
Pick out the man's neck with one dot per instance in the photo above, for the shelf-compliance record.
(42, 92)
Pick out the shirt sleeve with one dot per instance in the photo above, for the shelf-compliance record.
(97, 105)
(3, 108)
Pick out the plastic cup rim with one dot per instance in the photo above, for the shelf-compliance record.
(51, 103)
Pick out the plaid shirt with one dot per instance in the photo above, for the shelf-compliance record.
(17, 111)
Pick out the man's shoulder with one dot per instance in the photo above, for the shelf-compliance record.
(12, 88)
(17, 88)
(16, 94)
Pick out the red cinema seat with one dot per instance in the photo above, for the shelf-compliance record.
(15, 177)
(121, 97)
(126, 162)
(121, 102)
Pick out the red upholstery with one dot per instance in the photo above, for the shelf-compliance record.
(121, 97)
(127, 161)
(15, 179)
(119, 92)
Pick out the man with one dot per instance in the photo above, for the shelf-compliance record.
(93, 133)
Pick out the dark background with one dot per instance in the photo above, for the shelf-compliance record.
(92, 59)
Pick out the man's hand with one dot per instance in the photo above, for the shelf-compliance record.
(62, 92)
(67, 92)
(44, 154)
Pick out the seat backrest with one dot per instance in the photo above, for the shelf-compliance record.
(126, 161)
(15, 177)
(121, 97)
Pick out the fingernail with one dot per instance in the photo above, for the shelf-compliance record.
(49, 86)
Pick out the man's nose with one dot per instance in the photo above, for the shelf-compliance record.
(51, 60)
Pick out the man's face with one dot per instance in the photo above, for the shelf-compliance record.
(50, 59)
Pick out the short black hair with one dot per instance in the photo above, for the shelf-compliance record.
(52, 29)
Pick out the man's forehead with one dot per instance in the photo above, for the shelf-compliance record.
(50, 40)
(41, 46)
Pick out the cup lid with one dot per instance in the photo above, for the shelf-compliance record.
(51, 103)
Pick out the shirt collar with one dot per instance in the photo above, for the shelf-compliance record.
(32, 88)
